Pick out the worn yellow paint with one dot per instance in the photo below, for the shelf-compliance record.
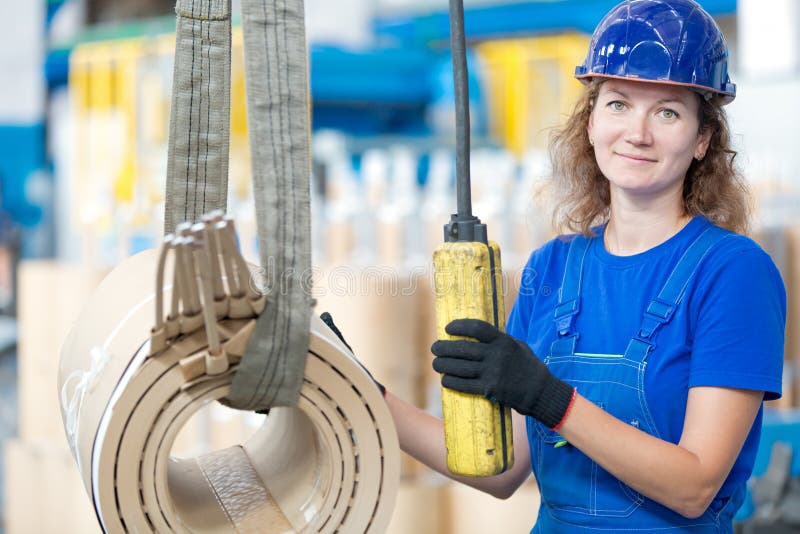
(478, 432)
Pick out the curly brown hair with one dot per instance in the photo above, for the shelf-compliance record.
(714, 187)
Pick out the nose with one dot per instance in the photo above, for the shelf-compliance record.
(638, 132)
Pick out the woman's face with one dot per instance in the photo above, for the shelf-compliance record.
(645, 136)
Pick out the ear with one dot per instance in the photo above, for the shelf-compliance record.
(703, 140)
(590, 126)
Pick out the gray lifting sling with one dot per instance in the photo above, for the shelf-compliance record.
(276, 64)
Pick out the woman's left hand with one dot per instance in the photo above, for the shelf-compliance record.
(502, 369)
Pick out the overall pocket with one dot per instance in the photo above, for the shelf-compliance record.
(570, 481)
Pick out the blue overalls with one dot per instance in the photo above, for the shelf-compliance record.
(577, 495)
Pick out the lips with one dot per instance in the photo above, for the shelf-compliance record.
(634, 157)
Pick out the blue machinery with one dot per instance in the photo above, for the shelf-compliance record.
(779, 425)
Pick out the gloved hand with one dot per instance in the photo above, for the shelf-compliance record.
(503, 370)
(328, 320)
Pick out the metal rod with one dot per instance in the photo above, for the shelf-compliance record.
(458, 45)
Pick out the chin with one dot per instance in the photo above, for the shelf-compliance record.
(633, 184)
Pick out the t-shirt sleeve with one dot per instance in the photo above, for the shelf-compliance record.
(741, 321)
(520, 316)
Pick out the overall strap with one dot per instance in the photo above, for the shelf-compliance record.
(569, 296)
(662, 307)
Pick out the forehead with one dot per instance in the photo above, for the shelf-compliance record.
(649, 91)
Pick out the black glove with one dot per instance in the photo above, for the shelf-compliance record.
(502, 369)
(328, 320)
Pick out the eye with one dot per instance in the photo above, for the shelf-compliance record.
(668, 114)
(616, 105)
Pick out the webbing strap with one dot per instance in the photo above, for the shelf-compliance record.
(276, 64)
(569, 295)
(241, 493)
(199, 131)
(276, 67)
(661, 308)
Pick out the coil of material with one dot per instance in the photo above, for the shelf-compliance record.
(330, 464)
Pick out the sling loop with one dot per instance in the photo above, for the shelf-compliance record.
(276, 69)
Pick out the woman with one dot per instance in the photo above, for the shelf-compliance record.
(638, 385)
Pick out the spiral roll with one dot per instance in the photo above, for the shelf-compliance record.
(330, 464)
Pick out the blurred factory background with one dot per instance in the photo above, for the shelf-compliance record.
(84, 121)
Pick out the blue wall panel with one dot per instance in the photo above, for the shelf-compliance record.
(22, 152)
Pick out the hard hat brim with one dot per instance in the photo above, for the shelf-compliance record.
(727, 98)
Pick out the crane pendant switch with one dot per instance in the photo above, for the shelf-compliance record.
(469, 285)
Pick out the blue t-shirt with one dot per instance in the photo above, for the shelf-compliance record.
(727, 332)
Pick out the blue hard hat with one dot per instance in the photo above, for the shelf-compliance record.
(667, 41)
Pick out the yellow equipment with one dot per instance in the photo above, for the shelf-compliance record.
(469, 285)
